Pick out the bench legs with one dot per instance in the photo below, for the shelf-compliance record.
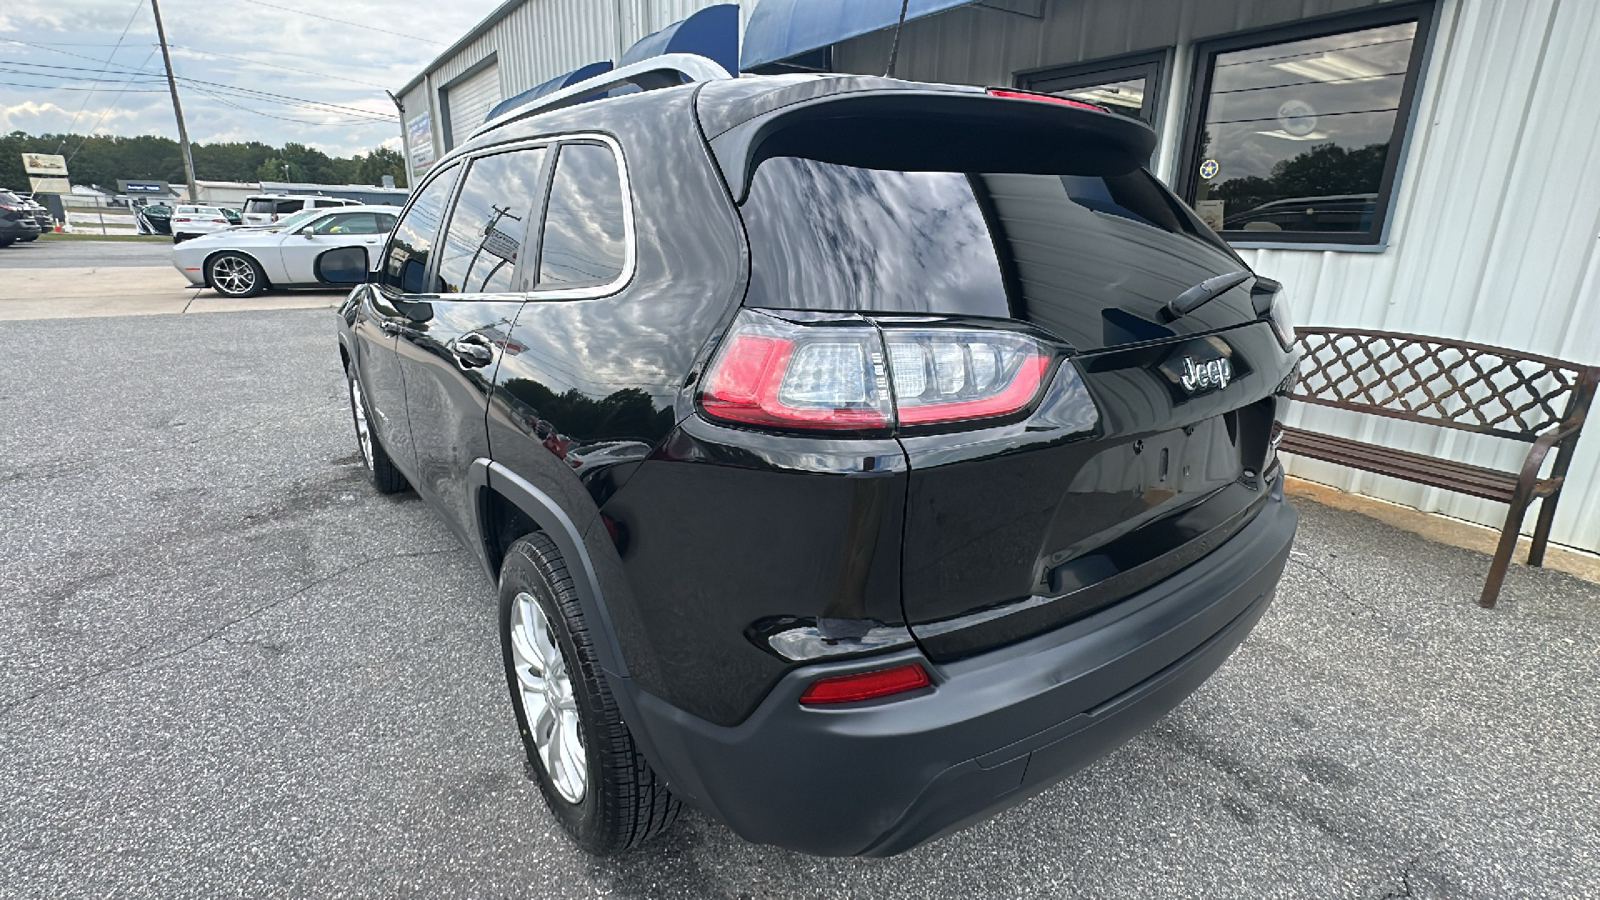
(1508, 546)
(1541, 532)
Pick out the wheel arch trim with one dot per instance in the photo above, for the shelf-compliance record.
(554, 522)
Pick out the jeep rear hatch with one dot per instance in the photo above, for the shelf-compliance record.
(1074, 280)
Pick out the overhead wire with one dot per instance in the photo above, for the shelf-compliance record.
(109, 107)
(137, 6)
(302, 12)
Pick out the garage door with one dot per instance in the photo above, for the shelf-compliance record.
(469, 101)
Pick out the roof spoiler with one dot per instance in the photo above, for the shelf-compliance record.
(666, 70)
(935, 130)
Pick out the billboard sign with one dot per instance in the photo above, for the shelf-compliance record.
(419, 139)
(45, 164)
(49, 185)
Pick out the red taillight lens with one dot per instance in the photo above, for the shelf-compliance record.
(779, 374)
(954, 375)
(866, 685)
(836, 377)
(1043, 98)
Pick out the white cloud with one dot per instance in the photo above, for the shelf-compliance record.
(228, 42)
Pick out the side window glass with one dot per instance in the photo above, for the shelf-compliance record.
(289, 206)
(490, 220)
(583, 225)
(406, 259)
(325, 204)
(385, 223)
(348, 223)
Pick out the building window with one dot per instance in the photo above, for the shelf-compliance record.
(1295, 134)
(1127, 85)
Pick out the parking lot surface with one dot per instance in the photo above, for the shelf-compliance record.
(227, 667)
(52, 254)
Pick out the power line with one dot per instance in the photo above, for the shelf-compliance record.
(110, 106)
(302, 12)
(64, 87)
(296, 101)
(257, 62)
(137, 6)
(222, 99)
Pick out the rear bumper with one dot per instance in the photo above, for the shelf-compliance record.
(880, 778)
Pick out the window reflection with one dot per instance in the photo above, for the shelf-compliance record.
(827, 236)
(1125, 97)
(488, 224)
(407, 256)
(583, 226)
(1297, 135)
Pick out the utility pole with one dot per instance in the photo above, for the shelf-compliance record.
(177, 107)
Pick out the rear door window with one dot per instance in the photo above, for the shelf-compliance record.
(325, 204)
(405, 262)
(584, 240)
(289, 206)
(483, 245)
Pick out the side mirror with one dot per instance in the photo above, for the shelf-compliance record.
(342, 265)
(307, 234)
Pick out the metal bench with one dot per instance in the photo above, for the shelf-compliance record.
(1452, 384)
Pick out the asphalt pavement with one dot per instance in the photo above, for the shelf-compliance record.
(52, 254)
(227, 667)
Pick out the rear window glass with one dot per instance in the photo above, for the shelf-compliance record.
(825, 236)
(260, 206)
(584, 233)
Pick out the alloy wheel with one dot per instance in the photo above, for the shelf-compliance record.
(547, 699)
(233, 275)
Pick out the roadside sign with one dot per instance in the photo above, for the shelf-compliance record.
(45, 164)
(49, 185)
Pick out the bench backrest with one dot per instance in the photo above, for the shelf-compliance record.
(1453, 384)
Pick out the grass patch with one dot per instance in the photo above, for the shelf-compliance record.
(81, 236)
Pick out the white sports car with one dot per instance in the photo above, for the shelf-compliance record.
(311, 249)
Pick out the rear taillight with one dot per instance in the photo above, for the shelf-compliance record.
(1009, 94)
(771, 372)
(866, 685)
(852, 376)
(949, 376)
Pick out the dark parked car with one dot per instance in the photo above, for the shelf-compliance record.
(854, 457)
(16, 220)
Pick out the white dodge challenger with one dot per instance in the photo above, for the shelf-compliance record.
(311, 249)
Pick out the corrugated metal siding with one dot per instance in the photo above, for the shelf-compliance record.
(1496, 218)
(544, 38)
(1494, 240)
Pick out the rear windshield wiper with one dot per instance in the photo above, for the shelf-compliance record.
(1203, 293)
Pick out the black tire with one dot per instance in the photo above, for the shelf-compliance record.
(235, 275)
(6, 242)
(625, 803)
(385, 477)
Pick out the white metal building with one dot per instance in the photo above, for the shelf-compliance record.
(1458, 198)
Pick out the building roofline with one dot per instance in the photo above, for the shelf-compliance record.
(478, 31)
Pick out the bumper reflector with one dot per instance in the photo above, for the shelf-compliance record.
(866, 685)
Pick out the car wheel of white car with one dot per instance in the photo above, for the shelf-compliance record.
(236, 275)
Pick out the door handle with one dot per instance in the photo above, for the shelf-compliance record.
(473, 350)
(389, 327)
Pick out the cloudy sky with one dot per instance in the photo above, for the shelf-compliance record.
(267, 70)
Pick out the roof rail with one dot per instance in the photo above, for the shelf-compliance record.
(666, 70)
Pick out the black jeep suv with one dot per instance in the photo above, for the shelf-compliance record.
(854, 458)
